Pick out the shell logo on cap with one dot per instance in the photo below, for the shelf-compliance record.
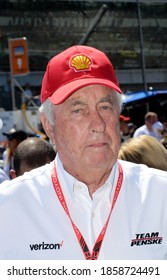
(80, 62)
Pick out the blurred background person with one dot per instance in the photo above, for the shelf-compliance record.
(125, 135)
(14, 138)
(163, 141)
(144, 149)
(150, 127)
(132, 127)
(28, 92)
(3, 175)
(157, 126)
(31, 153)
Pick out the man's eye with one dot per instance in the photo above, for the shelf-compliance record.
(106, 107)
(77, 111)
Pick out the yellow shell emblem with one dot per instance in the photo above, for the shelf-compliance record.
(80, 62)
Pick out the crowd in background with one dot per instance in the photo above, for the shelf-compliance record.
(151, 126)
(23, 153)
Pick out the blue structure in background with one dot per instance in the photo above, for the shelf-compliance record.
(136, 96)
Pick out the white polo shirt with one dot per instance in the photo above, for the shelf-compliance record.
(143, 130)
(34, 225)
(158, 127)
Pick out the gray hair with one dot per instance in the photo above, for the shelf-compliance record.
(120, 100)
(47, 108)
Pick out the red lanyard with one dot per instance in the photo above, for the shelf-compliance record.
(96, 249)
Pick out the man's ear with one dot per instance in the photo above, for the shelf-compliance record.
(12, 173)
(48, 128)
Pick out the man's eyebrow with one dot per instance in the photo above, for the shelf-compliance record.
(75, 102)
(107, 99)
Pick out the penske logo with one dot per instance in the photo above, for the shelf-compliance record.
(46, 246)
(146, 239)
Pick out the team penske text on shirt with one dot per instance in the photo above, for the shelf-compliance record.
(146, 239)
(46, 246)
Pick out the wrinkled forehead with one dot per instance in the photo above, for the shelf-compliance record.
(94, 92)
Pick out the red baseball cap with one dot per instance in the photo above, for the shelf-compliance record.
(124, 119)
(74, 68)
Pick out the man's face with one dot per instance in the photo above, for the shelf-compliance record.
(124, 126)
(86, 132)
(13, 143)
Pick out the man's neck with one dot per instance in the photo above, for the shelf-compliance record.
(93, 178)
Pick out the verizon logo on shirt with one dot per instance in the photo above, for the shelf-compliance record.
(46, 246)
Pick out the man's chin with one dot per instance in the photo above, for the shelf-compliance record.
(98, 162)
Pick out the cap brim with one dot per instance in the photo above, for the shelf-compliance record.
(6, 134)
(9, 136)
(125, 120)
(66, 90)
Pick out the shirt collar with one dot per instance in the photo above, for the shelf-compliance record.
(67, 181)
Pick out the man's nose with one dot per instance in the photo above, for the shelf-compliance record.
(97, 123)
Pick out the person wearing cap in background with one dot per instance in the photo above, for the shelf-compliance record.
(3, 175)
(132, 127)
(86, 204)
(14, 138)
(125, 135)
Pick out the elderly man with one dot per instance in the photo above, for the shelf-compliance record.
(86, 204)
